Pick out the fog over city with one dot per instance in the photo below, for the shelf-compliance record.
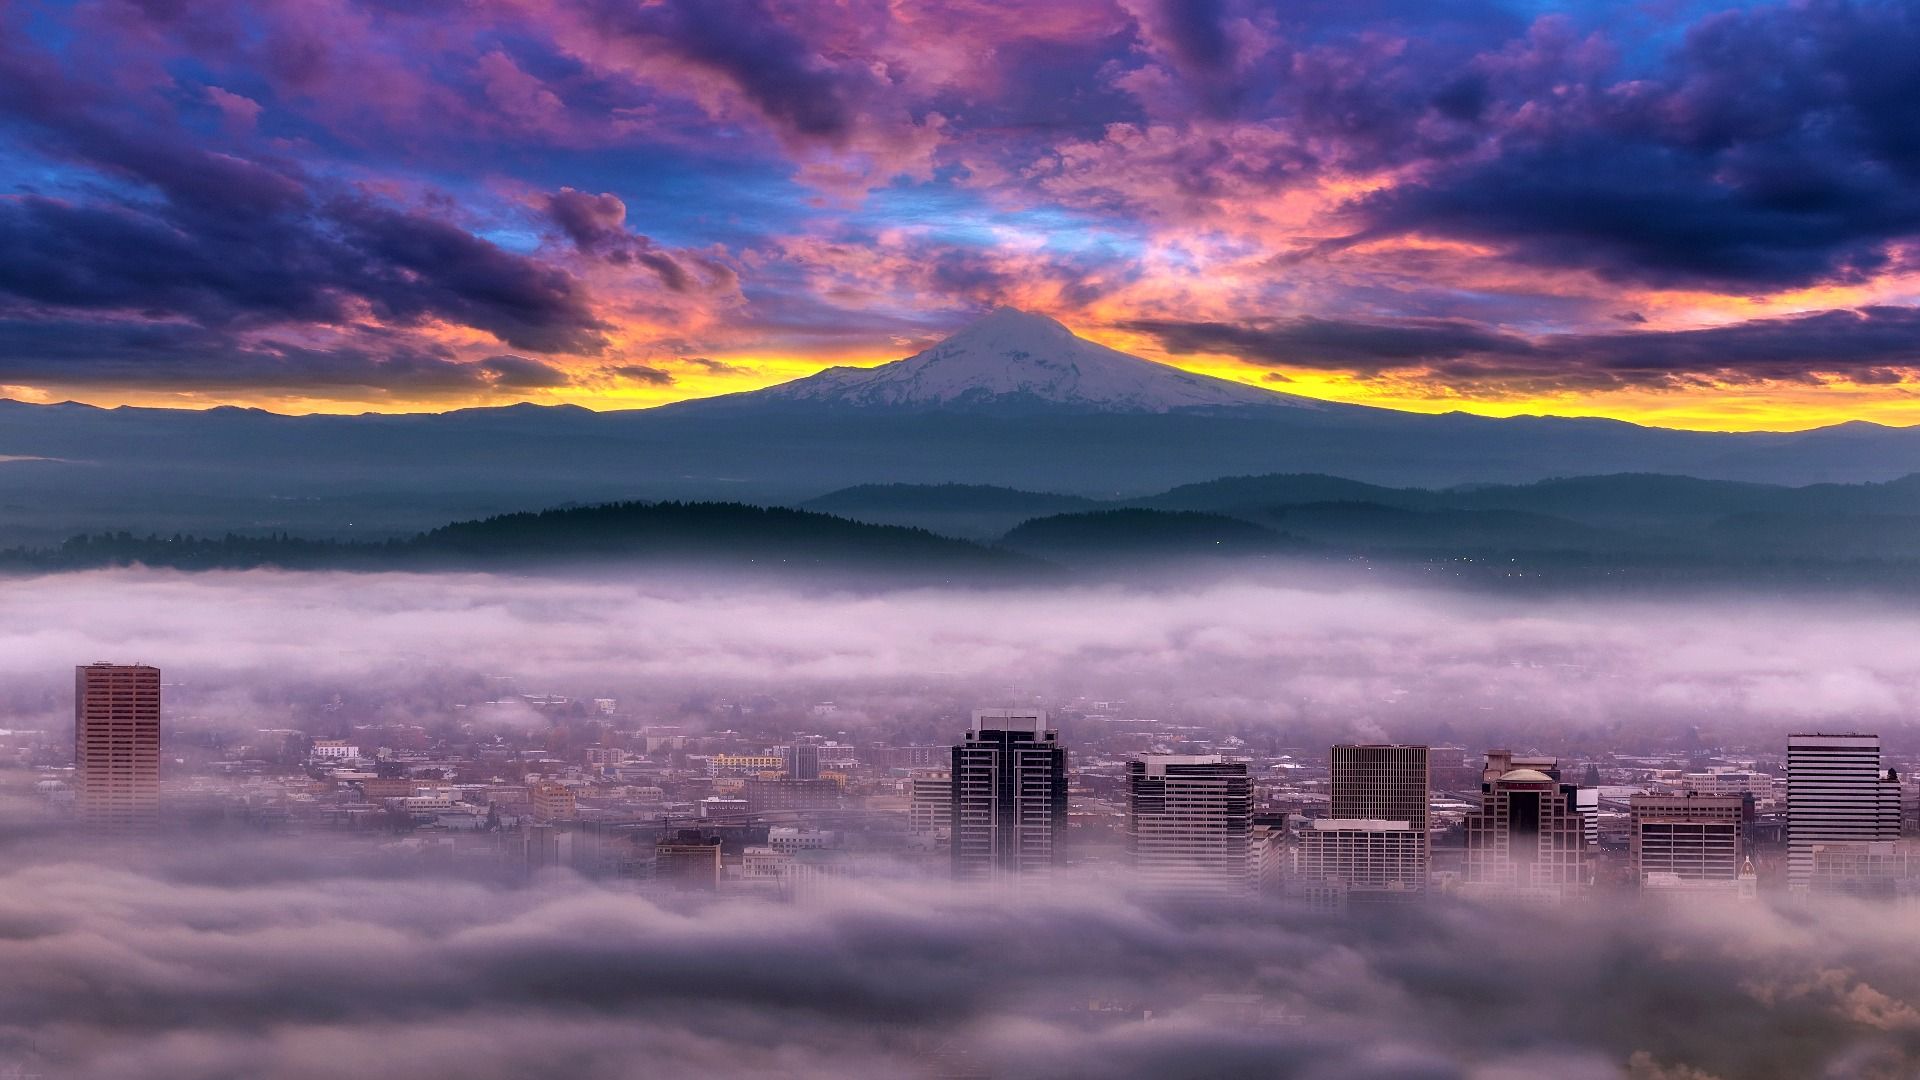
(236, 955)
(256, 959)
(1276, 651)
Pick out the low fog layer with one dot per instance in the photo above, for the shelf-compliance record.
(1291, 655)
(256, 960)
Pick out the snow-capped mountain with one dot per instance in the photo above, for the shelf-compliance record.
(1013, 359)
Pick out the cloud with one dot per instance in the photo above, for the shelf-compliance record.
(641, 373)
(770, 65)
(1313, 657)
(86, 354)
(300, 959)
(1338, 344)
(522, 373)
(597, 226)
(1872, 344)
(1766, 153)
(217, 239)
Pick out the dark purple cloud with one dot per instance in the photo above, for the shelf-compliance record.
(596, 224)
(1873, 344)
(193, 233)
(643, 373)
(1775, 149)
(81, 355)
(771, 64)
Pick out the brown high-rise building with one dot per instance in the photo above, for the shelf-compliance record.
(1373, 841)
(1380, 782)
(1689, 837)
(116, 746)
(1528, 837)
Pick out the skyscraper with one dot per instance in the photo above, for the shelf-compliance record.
(1837, 796)
(1528, 837)
(1586, 799)
(116, 747)
(1374, 837)
(1009, 796)
(1380, 782)
(1190, 824)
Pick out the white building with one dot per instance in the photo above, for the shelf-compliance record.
(333, 750)
(1190, 824)
(1363, 855)
(930, 806)
(744, 764)
(789, 840)
(1837, 794)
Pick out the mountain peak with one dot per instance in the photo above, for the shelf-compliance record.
(1010, 360)
(1012, 322)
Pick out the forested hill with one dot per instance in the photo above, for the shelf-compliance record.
(681, 533)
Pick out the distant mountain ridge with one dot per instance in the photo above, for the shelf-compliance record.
(1505, 549)
(1621, 514)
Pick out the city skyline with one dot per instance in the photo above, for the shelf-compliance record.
(520, 799)
(1197, 823)
(959, 539)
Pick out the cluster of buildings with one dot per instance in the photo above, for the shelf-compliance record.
(1194, 825)
(1377, 823)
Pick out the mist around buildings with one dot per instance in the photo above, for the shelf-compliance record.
(508, 823)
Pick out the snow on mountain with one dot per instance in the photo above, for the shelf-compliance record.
(1017, 359)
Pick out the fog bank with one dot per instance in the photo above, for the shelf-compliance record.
(1272, 652)
(249, 961)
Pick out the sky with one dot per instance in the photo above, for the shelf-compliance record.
(1687, 214)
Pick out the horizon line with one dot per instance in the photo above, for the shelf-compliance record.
(526, 403)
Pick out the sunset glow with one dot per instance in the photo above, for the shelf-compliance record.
(336, 206)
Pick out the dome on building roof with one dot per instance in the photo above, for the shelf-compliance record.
(1527, 776)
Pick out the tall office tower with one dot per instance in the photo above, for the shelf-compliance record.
(1528, 837)
(803, 760)
(1009, 796)
(116, 746)
(1381, 783)
(930, 806)
(1586, 799)
(1837, 796)
(1190, 824)
(1679, 840)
